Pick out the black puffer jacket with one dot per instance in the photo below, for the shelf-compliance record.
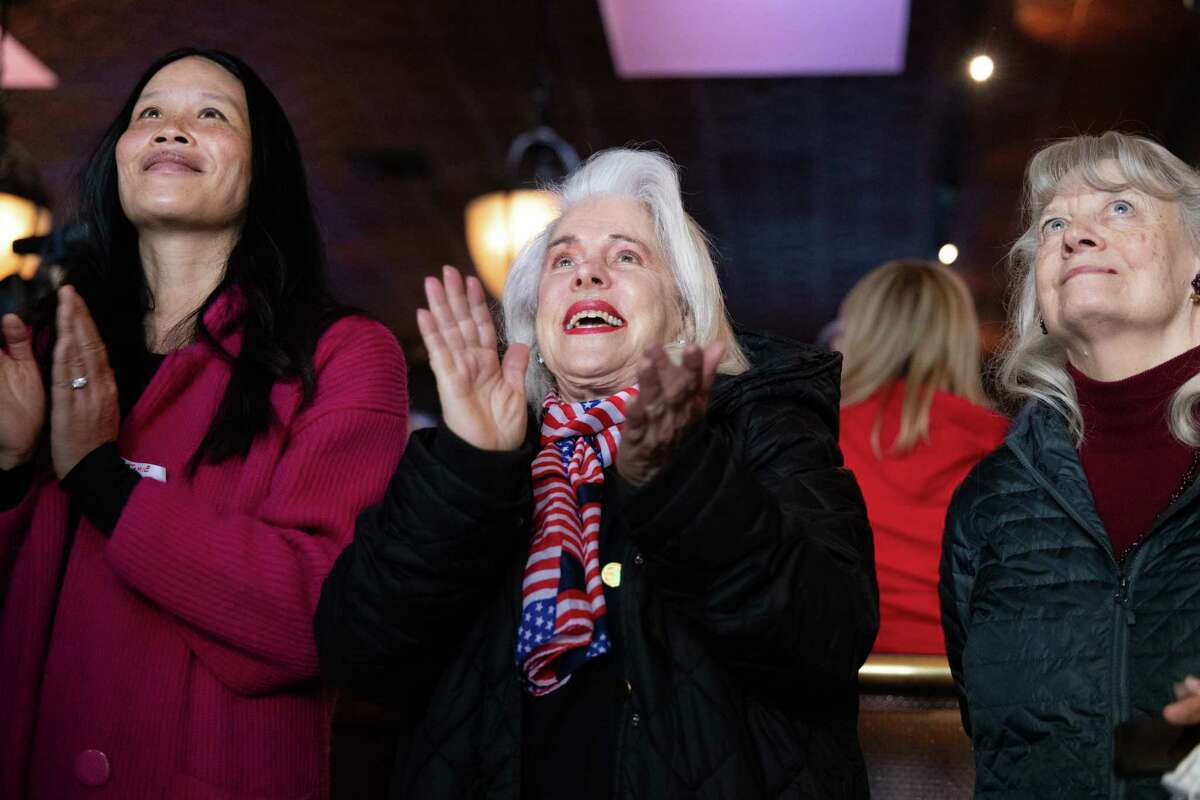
(1051, 641)
(748, 603)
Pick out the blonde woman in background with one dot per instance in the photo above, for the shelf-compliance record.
(914, 421)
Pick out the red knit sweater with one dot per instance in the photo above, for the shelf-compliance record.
(178, 660)
(906, 499)
(1132, 462)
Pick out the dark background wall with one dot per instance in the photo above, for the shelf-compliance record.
(405, 111)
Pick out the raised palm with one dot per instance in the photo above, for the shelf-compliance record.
(483, 399)
(22, 396)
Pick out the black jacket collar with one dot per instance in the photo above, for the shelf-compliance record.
(781, 369)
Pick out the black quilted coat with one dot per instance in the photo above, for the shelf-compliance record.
(1051, 642)
(748, 603)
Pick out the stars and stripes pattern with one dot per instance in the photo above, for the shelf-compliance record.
(563, 610)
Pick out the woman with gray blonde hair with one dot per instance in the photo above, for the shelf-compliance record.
(660, 584)
(1072, 554)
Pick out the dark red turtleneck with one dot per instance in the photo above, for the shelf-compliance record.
(1132, 462)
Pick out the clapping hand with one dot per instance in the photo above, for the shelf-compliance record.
(22, 397)
(671, 398)
(483, 399)
(84, 412)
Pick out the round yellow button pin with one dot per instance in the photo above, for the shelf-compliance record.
(611, 574)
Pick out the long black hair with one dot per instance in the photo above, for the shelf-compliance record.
(278, 265)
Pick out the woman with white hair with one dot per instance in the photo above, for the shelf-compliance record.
(1071, 556)
(658, 585)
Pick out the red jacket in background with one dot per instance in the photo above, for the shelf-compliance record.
(907, 496)
(175, 659)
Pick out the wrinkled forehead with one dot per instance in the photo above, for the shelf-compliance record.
(605, 215)
(1105, 177)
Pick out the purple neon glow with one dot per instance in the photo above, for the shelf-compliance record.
(732, 38)
(23, 70)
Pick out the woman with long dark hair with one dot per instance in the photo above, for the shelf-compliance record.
(187, 433)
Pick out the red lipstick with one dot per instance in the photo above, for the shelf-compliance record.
(591, 316)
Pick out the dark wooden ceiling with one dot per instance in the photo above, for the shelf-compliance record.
(405, 111)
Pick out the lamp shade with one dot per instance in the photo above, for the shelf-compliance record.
(19, 219)
(498, 226)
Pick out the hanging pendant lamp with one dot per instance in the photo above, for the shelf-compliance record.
(498, 224)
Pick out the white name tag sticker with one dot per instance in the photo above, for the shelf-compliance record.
(153, 471)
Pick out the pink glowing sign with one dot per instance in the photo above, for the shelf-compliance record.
(743, 38)
(23, 70)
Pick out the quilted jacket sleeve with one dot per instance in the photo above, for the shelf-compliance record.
(756, 531)
(957, 578)
(422, 565)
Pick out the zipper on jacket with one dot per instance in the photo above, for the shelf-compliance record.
(1122, 598)
(1123, 616)
(1122, 620)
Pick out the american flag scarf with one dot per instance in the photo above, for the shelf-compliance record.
(562, 620)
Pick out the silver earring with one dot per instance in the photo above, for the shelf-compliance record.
(539, 358)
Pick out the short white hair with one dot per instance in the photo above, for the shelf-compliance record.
(1033, 365)
(652, 179)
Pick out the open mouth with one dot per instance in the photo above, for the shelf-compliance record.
(592, 316)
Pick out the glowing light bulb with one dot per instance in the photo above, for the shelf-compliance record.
(981, 68)
(948, 254)
(498, 226)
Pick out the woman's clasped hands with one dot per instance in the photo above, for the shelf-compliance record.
(84, 408)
